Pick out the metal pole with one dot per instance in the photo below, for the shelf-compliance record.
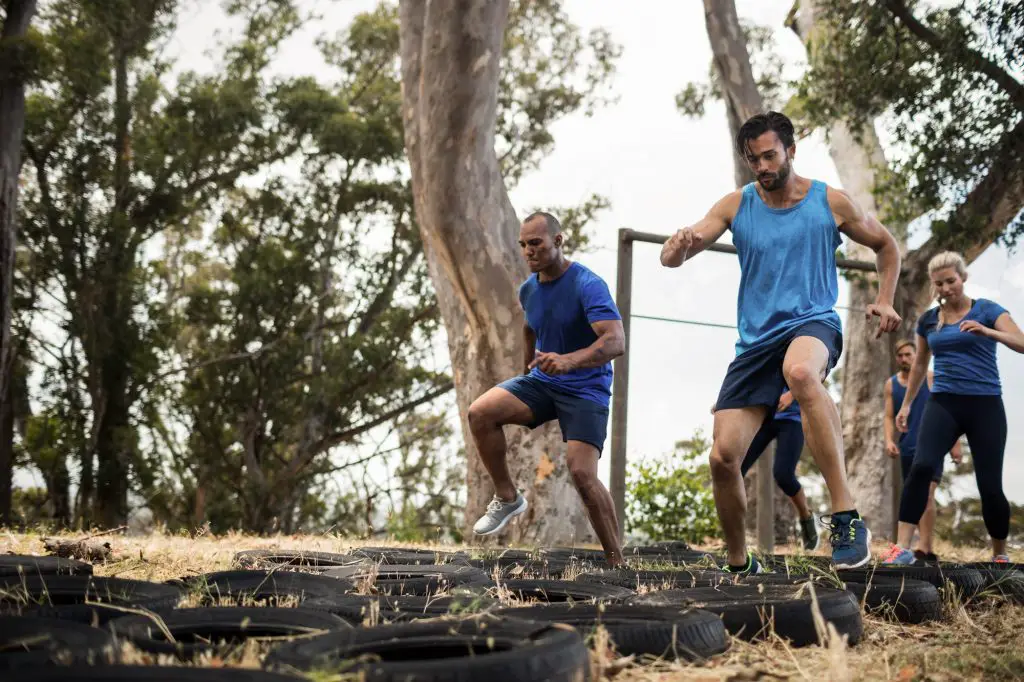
(620, 379)
(766, 500)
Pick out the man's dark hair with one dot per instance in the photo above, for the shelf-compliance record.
(758, 125)
(554, 227)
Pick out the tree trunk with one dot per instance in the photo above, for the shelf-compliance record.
(735, 75)
(450, 51)
(12, 124)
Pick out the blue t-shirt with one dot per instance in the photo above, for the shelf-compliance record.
(788, 271)
(908, 440)
(965, 363)
(560, 313)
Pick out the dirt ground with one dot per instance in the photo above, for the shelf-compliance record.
(983, 641)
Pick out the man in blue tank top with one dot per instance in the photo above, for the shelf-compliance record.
(786, 230)
(905, 445)
(572, 331)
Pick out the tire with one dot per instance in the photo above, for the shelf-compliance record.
(966, 582)
(752, 611)
(594, 556)
(1001, 581)
(31, 642)
(64, 596)
(434, 651)
(513, 568)
(639, 630)
(357, 609)
(657, 579)
(155, 673)
(407, 556)
(556, 591)
(311, 591)
(520, 555)
(204, 630)
(415, 580)
(294, 560)
(23, 564)
(906, 600)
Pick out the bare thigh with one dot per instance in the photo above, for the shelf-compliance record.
(499, 406)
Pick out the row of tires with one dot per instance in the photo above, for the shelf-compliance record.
(667, 613)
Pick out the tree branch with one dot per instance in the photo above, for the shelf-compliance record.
(350, 433)
(974, 59)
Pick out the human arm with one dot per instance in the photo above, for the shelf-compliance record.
(529, 347)
(865, 229)
(889, 423)
(690, 241)
(785, 400)
(957, 453)
(918, 373)
(610, 344)
(1005, 331)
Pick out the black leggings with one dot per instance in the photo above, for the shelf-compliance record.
(947, 416)
(789, 437)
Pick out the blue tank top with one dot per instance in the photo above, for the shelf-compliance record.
(908, 441)
(787, 266)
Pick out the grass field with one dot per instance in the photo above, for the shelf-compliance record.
(975, 641)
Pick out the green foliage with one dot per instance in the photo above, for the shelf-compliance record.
(221, 283)
(669, 498)
(939, 97)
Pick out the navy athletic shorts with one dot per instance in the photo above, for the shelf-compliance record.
(580, 418)
(755, 377)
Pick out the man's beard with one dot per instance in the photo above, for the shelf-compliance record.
(773, 181)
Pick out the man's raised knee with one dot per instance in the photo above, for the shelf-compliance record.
(726, 460)
(479, 416)
(802, 378)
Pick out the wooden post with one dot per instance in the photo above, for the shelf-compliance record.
(766, 500)
(620, 380)
(897, 492)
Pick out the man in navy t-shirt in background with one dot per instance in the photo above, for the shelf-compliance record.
(573, 331)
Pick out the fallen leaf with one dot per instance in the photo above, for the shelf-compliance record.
(545, 467)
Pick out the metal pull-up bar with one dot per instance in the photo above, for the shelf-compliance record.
(620, 385)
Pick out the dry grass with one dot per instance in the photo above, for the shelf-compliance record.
(976, 642)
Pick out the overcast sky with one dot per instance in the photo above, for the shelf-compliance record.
(660, 172)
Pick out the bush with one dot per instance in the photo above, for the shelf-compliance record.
(670, 498)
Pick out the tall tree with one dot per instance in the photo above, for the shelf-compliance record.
(16, 57)
(116, 155)
(451, 69)
(942, 82)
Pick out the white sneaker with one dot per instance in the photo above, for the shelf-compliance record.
(498, 514)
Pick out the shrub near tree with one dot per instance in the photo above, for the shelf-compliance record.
(669, 497)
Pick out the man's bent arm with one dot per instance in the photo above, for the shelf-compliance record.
(610, 344)
(708, 230)
(867, 231)
(530, 347)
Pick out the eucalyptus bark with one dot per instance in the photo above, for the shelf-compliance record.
(450, 52)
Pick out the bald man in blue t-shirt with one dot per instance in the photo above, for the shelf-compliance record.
(573, 331)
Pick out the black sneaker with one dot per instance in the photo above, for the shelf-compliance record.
(925, 558)
(809, 533)
(753, 566)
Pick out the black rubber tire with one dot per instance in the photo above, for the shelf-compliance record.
(293, 559)
(203, 630)
(421, 580)
(662, 632)
(966, 582)
(520, 555)
(64, 596)
(156, 673)
(311, 591)
(557, 591)
(1001, 581)
(482, 648)
(403, 608)
(657, 579)
(908, 601)
(515, 568)
(24, 564)
(30, 642)
(748, 610)
(594, 556)
(407, 556)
